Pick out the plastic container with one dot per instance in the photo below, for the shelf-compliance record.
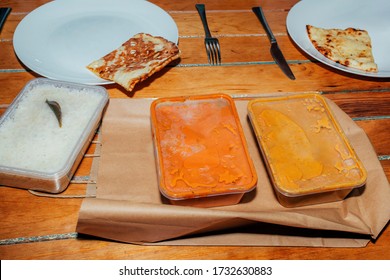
(308, 157)
(35, 151)
(201, 152)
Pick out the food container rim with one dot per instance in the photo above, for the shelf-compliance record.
(185, 98)
(209, 196)
(286, 97)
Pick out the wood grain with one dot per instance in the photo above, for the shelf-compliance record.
(35, 227)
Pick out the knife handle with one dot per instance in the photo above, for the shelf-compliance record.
(3, 15)
(259, 13)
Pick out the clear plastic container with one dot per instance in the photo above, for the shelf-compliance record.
(201, 152)
(307, 154)
(35, 151)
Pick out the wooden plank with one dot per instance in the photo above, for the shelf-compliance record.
(12, 83)
(238, 80)
(378, 131)
(238, 50)
(188, 21)
(227, 5)
(8, 59)
(29, 215)
(13, 19)
(233, 49)
(240, 23)
(362, 103)
(24, 6)
(225, 23)
(212, 5)
(386, 167)
(88, 248)
(248, 69)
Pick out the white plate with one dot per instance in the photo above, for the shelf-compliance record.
(372, 16)
(58, 39)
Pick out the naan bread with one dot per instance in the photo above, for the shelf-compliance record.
(135, 60)
(349, 47)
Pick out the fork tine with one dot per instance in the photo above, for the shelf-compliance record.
(213, 58)
(208, 51)
(213, 51)
(217, 52)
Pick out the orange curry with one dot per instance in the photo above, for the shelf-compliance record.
(201, 148)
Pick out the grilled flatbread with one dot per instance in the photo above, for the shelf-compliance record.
(349, 47)
(135, 60)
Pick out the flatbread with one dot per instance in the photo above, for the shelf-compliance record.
(349, 47)
(135, 60)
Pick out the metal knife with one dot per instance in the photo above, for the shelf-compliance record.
(3, 15)
(275, 50)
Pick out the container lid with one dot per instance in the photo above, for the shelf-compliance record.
(200, 147)
(304, 147)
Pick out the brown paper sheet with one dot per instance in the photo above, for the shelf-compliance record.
(128, 206)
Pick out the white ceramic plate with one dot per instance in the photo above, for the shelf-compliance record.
(373, 16)
(58, 39)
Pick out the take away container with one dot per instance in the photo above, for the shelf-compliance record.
(307, 154)
(201, 152)
(35, 152)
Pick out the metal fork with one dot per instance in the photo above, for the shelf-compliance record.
(213, 49)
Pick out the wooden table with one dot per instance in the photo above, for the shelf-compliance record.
(34, 227)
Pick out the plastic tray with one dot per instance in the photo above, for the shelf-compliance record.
(35, 152)
(308, 156)
(201, 152)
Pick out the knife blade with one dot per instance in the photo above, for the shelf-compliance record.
(3, 15)
(275, 50)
